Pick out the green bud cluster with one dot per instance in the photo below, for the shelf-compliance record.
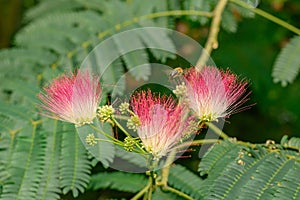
(124, 107)
(105, 113)
(90, 139)
(129, 143)
(180, 90)
(133, 123)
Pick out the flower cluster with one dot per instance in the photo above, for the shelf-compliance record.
(72, 97)
(163, 123)
(213, 93)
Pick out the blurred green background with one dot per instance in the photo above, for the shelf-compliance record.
(250, 52)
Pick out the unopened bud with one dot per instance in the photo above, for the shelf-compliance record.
(180, 90)
(105, 113)
(90, 139)
(124, 107)
(133, 123)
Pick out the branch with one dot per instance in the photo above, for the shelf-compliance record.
(198, 143)
(127, 134)
(152, 16)
(268, 16)
(166, 169)
(217, 130)
(165, 175)
(173, 190)
(144, 190)
(212, 41)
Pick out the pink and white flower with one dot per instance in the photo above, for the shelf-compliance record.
(213, 93)
(162, 122)
(72, 97)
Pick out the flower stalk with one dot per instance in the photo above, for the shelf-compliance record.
(268, 16)
(144, 190)
(217, 130)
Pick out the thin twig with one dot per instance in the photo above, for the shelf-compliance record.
(173, 190)
(247, 144)
(127, 134)
(165, 175)
(121, 127)
(198, 142)
(268, 16)
(106, 135)
(166, 169)
(212, 40)
(153, 16)
(217, 130)
(144, 190)
(176, 13)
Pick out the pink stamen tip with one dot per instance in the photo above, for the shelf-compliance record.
(72, 97)
(163, 122)
(214, 93)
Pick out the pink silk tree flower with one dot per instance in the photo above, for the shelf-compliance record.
(162, 122)
(72, 97)
(213, 93)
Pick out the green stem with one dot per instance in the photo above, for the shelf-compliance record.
(247, 144)
(176, 13)
(155, 15)
(268, 16)
(165, 175)
(113, 142)
(121, 117)
(144, 190)
(143, 17)
(217, 130)
(166, 169)
(150, 191)
(198, 142)
(107, 135)
(205, 141)
(121, 127)
(127, 134)
(181, 194)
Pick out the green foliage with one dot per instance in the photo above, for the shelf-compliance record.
(289, 187)
(18, 112)
(198, 5)
(229, 19)
(186, 181)
(287, 63)
(103, 151)
(235, 171)
(49, 187)
(159, 194)
(50, 7)
(120, 181)
(228, 22)
(292, 143)
(74, 164)
(25, 165)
